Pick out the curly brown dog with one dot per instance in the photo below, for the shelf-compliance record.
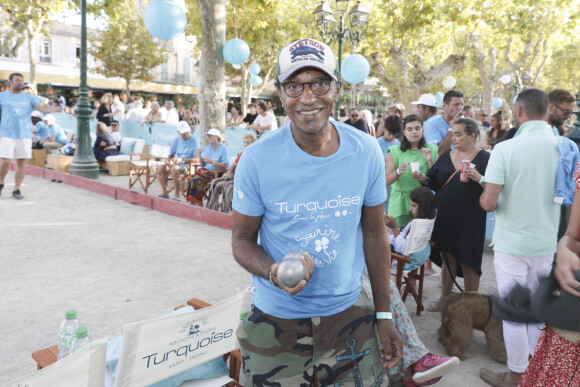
(461, 313)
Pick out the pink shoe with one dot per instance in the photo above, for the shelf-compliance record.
(411, 383)
(432, 366)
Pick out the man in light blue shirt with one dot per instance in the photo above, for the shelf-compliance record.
(315, 187)
(55, 136)
(183, 149)
(15, 133)
(521, 186)
(437, 129)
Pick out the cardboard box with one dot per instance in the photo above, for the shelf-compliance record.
(37, 158)
(59, 163)
(118, 168)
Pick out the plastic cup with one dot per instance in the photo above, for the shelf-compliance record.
(415, 167)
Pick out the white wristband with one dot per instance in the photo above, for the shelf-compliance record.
(384, 316)
(397, 172)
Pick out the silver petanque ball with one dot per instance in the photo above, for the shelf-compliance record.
(291, 270)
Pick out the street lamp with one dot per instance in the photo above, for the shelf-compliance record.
(84, 163)
(515, 84)
(330, 31)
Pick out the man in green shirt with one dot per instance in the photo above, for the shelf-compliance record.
(521, 186)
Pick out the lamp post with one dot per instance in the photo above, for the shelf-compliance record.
(84, 163)
(325, 21)
(514, 84)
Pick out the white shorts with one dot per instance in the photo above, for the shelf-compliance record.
(18, 148)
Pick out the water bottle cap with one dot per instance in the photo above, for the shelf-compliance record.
(71, 314)
(81, 332)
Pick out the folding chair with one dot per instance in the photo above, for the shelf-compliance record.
(417, 241)
(84, 368)
(145, 166)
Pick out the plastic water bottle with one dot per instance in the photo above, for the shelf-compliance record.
(66, 333)
(81, 339)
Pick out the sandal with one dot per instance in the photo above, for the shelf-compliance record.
(435, 306)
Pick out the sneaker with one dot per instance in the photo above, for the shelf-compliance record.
(432, 366)
(411, 383)
(16, 195)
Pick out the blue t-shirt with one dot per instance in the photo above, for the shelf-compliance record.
(435, 129)
(16, 110)
(58, 132)
(312, 204)
(41, 130)
(384, 144)
(220, 155)
(184, 149)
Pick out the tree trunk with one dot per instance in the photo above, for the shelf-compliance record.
(212, 98)
(32, 53)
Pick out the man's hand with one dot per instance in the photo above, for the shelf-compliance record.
(391, 344)
(457, 116)
(308, 265)
(568, 262)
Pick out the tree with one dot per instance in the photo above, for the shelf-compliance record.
(30, 18)
(213, 88)
(127, 50)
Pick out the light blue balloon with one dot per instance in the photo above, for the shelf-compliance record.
(236, 51)
(515, 98)
(198, 84)
(439, 98)
(255, 80)
(355, 69)
(255, 69)
(497, 102)
(164, 19)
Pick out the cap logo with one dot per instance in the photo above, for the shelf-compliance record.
(307, 48)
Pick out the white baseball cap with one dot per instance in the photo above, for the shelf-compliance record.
(36, 113)
(427, 100)
(306, 53)
(213, 132)
(49, 118)
(183, 127)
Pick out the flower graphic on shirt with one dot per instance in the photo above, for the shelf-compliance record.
(321, 244)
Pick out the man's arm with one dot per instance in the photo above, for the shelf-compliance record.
(252, 256)
(445, 144)
(45, 109)
(489, 197)
(568, 257)
(378, 260)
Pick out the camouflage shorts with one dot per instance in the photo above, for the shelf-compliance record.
(340, 349)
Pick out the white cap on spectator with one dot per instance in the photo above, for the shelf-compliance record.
(214, 132)
(427, 100)
(49, 118)
(28, 85)
(35, 113)
(183, 127)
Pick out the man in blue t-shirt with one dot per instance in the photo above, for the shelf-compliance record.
(316, 188)
(182, 151)
(437, 129)
(55, 136)
(15, 132)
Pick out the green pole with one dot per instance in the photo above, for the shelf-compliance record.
(337, 105)
(84, 163)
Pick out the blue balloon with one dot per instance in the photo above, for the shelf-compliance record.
(355, 69)
(198, 84)
(515, 98)
(236, 51)
(255, 80)
(439, 98)
(497, 102)
(164, 19)
(255, 69)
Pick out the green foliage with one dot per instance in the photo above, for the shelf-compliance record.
(127, 50)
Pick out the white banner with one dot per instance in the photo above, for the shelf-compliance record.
(157, 349)
(419, 235)
(84, 368)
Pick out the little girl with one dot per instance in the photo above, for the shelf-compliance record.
(419, 367)
(422, 205)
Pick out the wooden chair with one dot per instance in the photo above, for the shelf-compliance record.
(192, 167)
(417, 240)
(144, 166)
(233, 359)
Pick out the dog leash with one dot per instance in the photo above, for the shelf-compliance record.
(450, 273)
